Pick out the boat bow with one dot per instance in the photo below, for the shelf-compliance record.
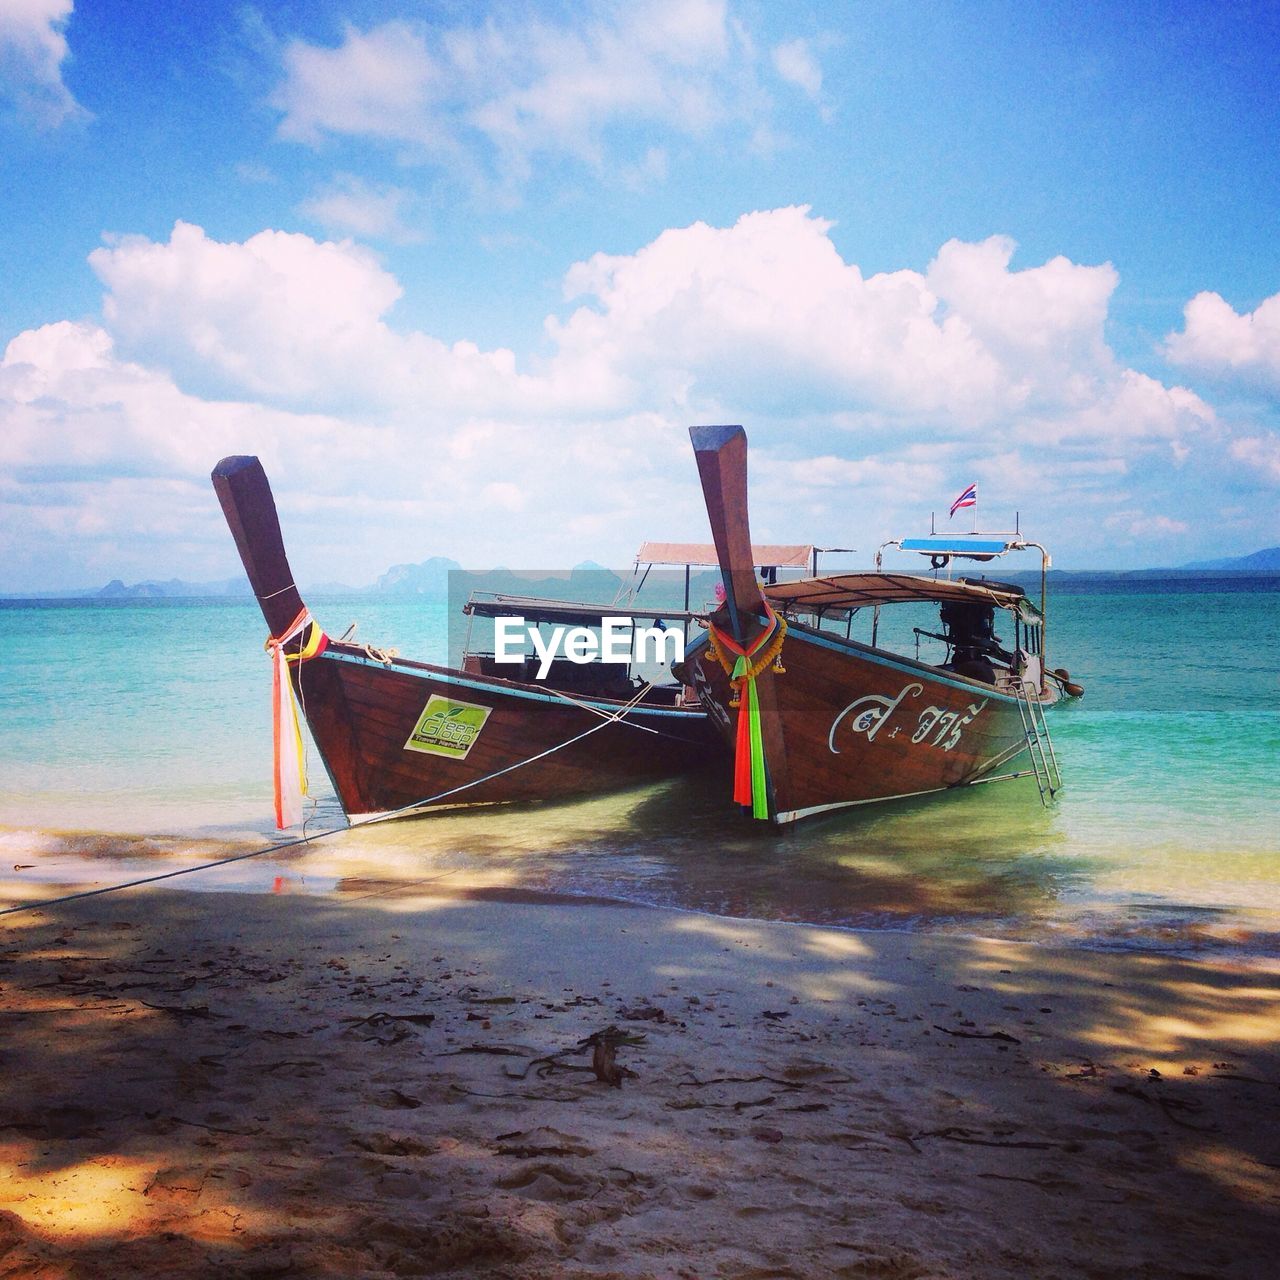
(760, 750)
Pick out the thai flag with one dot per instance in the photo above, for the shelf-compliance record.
(969, 498)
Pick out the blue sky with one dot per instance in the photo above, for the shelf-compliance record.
(463, 274)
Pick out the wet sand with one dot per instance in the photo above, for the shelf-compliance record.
(248, 1085)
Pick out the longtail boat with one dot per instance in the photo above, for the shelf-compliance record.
(399, 737)
(818, 720)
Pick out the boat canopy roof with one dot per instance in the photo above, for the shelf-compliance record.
(841, 593)
(703, 555)
(571, 612)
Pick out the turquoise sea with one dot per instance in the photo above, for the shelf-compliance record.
(151, 719)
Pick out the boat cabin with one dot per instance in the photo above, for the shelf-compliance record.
(968, 610)
(551, 628)
(673, 604)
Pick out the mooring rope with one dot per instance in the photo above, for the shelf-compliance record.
(619, 715)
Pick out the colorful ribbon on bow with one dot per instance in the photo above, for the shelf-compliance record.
(749, 786)
(289, 764)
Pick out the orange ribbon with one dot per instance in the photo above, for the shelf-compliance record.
(289, 769)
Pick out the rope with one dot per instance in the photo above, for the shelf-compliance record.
(599, 711)
(374, 654)
(165, 875)
(497, 773)
(290, 844)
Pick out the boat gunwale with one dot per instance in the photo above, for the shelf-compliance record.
(887, 657)
(338, 652)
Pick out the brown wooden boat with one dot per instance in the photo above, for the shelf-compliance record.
(818, 720)
(400, 737)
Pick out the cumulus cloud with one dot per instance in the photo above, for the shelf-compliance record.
(1219, 341)
(104, 466)
(767, 313)
(764, 315)
(71, 406)
(870, 398)
(518, 85)
(33, 49)
(107, 461)
(284, 317)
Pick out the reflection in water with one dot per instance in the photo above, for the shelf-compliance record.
(960, 860)
(988, 860)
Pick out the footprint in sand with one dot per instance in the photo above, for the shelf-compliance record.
(549, 1182)
(394, 1100)
(543, 1141)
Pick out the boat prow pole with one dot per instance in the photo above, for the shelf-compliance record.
(722, 467)
(245, 494)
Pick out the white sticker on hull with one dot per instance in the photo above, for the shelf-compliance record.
(447, 727)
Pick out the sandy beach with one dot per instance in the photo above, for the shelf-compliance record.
(402, 1085)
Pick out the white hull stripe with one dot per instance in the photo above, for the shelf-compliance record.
(795, 814)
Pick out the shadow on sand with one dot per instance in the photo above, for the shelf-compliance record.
(242, 1085)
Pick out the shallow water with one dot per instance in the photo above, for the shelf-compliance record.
(152, 717)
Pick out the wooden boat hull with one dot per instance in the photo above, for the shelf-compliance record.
(828, 722)
(400, 737)
(852, 725)
(532, 743)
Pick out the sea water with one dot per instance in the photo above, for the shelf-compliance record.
(152, 718)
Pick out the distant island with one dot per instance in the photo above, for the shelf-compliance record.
(1259, 562)
(431, 578)
(428, 578)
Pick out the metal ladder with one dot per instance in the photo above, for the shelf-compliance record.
(1044, 763)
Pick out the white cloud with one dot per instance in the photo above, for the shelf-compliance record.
(71, 407)
(287, 318)
(381, 83)
(795, 63)
(1043, 324)
(349, 205)
(517, 86)
(764, 315)
(1260, 454)
(33, 48)
(104, 464)
(1139, 526)
(870, 399)
(1218, 340)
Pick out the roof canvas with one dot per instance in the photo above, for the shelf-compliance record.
(536, 609)
(855, 590)
(703, 555)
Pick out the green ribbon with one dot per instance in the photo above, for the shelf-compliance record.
(751, 711)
